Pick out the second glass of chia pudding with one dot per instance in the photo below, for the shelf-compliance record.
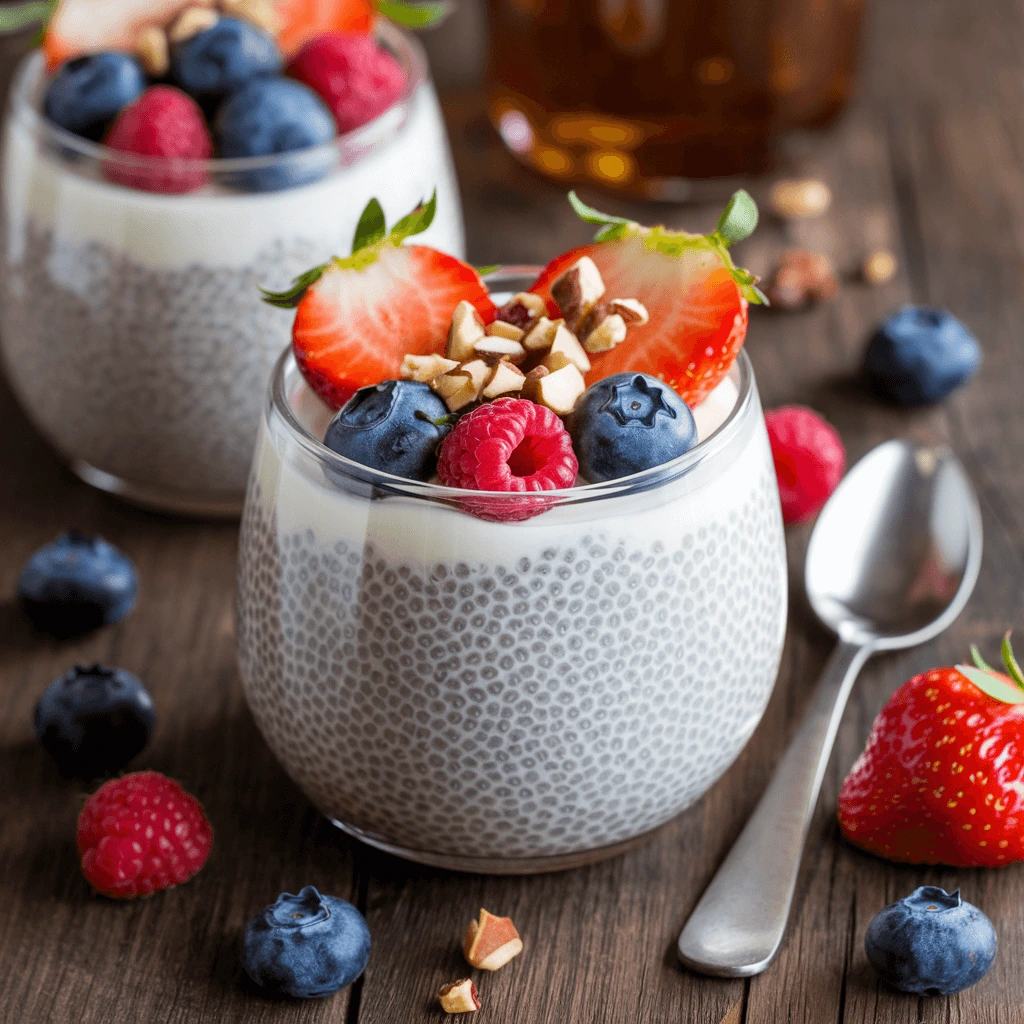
(148, 196)
(518, 602)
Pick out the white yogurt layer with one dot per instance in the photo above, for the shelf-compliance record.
(217, 228)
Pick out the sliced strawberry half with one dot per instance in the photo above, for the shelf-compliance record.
(696, 296)
(357, 318)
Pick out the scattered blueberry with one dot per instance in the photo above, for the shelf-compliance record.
(272, 116)
(918, 356)
(89, 92)
(211, 64)
(93, 721)
(76, 584)
(307, 945)
(627, 423)
(931, 943)
(395, 426)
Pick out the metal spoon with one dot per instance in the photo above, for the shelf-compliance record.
(892, 561)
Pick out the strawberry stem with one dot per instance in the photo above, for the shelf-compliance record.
(1011, 662)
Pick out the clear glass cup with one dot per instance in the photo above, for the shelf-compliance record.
(509, 696)
(132, 327)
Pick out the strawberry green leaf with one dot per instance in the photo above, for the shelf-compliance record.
(612, 227)
(979, 660)
(1011, 662)
(489, 269)
(414, 223)
(18, 16)
(739, 218)
(291, 297)
(371, 228)
(415, 15)
(997, 687)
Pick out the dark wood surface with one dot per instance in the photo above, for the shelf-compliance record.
(929, 161)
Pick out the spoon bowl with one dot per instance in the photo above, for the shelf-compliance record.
(896, 551)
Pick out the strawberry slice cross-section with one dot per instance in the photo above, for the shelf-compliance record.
(357, 318)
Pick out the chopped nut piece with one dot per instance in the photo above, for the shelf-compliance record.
(633, 311)
(879, 267)
(566, 349)
(257, 12)
(522, 308)
(479, 373)
(578, 289)
(531, 385)
(560, 390)
(467, 329)
(501, 329)
(506, 379)
(456, 388)
(493, 349)
(541, 335)
(490, 941)
(426, 368)
(153, 52)
(191, 22)
(797, 199)
(802, 277)
(607, 334)
(459, 997)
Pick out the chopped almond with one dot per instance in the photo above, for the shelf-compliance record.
(501, 329)
(507, 379)
(493, 349)
(459, 997)
(632, 311)
(531, 385)
(561, 390)
(257, 12)
(541, 335)
(467, 328)
(566, 349)
(426, 368)
(522, 308)
(456, 388)
(191, 22)
(153, 52)
(606, 335)
(578, 289)
(490, 941)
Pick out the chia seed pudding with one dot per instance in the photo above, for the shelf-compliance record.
(510, 696)
(133, 332)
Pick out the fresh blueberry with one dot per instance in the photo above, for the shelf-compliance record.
(273, 116)
(211, 64)
(931, 943)
(76, 584)
(306, 946)
(89, 92)
(920, 355)
(93, 721)
(395, 426)
(627, 423)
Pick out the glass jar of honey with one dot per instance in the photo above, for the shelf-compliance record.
(647, 95)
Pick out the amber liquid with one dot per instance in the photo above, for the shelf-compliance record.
(644, 94)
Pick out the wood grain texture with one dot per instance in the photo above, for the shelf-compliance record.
(930, 162)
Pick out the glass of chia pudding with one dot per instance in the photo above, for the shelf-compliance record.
(133, 331)
(527, 678)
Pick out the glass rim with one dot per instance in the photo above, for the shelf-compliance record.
(340, 466)
(402, 44)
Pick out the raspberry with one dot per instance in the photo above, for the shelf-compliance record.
(809, 460)
(141, 833)
(508, 445)
(162, 122)
(354, 76)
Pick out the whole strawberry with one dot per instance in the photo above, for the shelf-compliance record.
(941, 780)
(141, 833)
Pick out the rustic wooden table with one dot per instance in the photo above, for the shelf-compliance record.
(929, 161)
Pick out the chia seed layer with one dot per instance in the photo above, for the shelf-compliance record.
(560, 700)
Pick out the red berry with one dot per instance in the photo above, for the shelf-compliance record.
(508, 445)
(141, 833)
(809, 460)
(163, 122)
(940, 781)
(354, 76)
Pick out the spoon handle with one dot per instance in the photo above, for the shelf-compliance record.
(737, 927)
